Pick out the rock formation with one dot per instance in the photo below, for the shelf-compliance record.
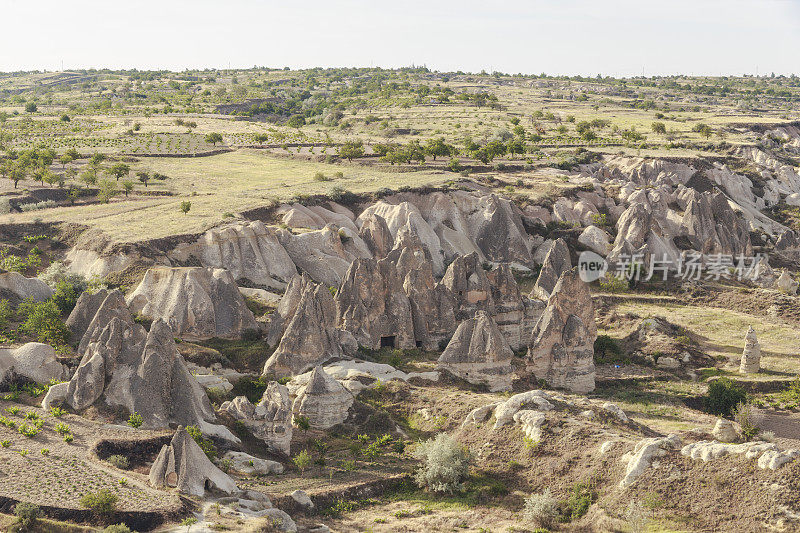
(467, 280)
(514, 313)
(196, 302)
(325, 254)
(786, 284)
(725, 431)
(373, 306)
(555, 263)
(376, 235)
(184, 465)
(21, 287)
(310, 336)
(324, 401)
(751, 356)
(248, 250)
(84, 311)
(33, 361)
(561, 350)
(269, 420)
(129, 368)
(479, 354)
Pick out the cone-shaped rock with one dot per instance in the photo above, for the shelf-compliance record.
(479, 354)
(751, 356)
(184, 465)
(556, 262)
(324, 401)
(562, 345)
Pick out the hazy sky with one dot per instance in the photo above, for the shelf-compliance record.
(616, 37)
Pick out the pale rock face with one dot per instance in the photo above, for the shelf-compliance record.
(531, 423)
(196, 302)
(375, 233)
(725, 431)
(766, 454)
(514, 313)
(310, 336)
(322, 254)
(562, 345)
(751, 356)
(615, 411)
(34, 361)
(248, 250)
(302, 499)
(184, 465)
(23, 287)
(555, 263)
(324, 401)
(643, 454)
(468, 282)
(504, 413)
(84, 311)
(270, 420)
(786, 283)
(249, 465)
(479, 354)
(596, 240)
(373, 306)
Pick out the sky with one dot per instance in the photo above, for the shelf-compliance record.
(588, 37)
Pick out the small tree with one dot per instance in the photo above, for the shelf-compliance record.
(108, 190)
(144, 177)
(119, 170)
(659, 127)
(186, 206)
(437, 147)
(351, 150)
(723, 397)
(213, 138)
(127, 186)
(445, 464)
(31, 107)
(302, 461)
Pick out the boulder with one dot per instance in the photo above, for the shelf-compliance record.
(324, 401)
(561, 350)
(310, 336)
(196, 302)
(479, 354)
(270, 420)
(302, 499)
(535, 400)
(596, 240)
(33, 361)
(555, 263)
(725, 431)
(22, 287)
(751, 356)
(183, 464)
(643, 454)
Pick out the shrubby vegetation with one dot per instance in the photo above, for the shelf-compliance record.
(445, 464)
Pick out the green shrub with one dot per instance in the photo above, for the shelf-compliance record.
(743, 414)
(27, 515)
(103, 502)
(579, 501)
(445, 464)
(205, 444)
(302, 461)
(66, 296)
(541, 509)
(117, 528)
(723, 397)
(607, 350)
(118, 461)
(135, 420)
(5, 313)
(43, 321)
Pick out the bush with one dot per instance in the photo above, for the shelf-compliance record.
(302, 461)
(118, 461)
(723, 397)
(117, 528)
(27, 515)
(135, 420)
(743, 414)
(606, 350)
(541, 509)
(66, 296)
(205, 444)
(445, 464)
(43, 321)
(103, 502)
